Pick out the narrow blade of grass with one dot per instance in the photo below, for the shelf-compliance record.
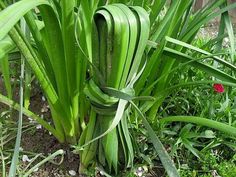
(14, 161)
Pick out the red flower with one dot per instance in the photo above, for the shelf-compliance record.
(219, 88)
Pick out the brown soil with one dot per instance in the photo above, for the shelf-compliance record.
(40, 141)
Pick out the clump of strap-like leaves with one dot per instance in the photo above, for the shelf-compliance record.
(117, 28)
(101, 62)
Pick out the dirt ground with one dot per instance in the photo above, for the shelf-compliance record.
(41, 142)
(38, 140)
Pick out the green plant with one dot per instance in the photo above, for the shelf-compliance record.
(100, 66)
(212, 164)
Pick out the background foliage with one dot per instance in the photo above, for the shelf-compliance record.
(112, 71)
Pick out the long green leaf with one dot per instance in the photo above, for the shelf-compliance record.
(9, 17)
(188, 46)
(202, 121)
(4, 64)
(206, 68)
(14, 161)
(6, 45)
(163, 155)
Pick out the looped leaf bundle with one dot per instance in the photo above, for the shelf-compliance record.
(121, 37)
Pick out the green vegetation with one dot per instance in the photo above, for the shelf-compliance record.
(114, 72)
